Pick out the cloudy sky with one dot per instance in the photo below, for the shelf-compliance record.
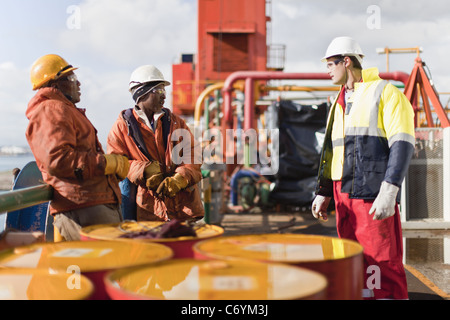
(108, 39)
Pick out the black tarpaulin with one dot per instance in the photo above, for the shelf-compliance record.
(301, 132)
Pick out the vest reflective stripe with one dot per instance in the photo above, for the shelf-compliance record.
(368, 95)
(338, 143)
(401, 137)
(372, 129)
(365, 131)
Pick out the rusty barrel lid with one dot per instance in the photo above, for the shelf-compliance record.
(38, 284)
(117, 230)
(88, 256)
(191, 279)
(283, 248)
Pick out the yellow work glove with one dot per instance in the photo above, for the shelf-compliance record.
(154, 181)
(152, 169)
(172, 185)
(117, 164)
(153, 176)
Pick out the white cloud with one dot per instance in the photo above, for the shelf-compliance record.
(307, 27)
(104, 95)
(117, 36)
(289, 10)
(129, 33)
(13, 103)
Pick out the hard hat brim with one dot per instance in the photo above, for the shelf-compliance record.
(359, 57)
(133, 85)
(48, 79)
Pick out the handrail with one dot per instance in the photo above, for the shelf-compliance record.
(24, 198)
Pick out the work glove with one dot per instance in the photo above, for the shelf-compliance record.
(117, 164)
(154, 181)
(384, 204)
(172, 185)
(319, 207)
(152, 169)
(153, 176)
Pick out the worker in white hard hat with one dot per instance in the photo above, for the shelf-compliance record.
(68, 154)
(166, 189)
(367, 149)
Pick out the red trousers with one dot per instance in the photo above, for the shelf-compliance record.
(382, 242)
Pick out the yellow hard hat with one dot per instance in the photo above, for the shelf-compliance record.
(47, 68)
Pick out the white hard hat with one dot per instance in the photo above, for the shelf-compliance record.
(146, 74)
(344, 46)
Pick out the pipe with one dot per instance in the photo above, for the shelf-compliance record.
(201, 98)
(248, 101)
(284, 88)
(251, 76)
(208, 90)
(258, 75)
(23, 198)
(396, 76)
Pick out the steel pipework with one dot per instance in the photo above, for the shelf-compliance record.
(251, 76)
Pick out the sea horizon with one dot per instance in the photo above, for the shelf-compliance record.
(10, 162)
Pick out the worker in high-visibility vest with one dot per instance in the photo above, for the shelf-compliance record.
(368, 145)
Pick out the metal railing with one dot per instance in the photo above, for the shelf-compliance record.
(24, 198)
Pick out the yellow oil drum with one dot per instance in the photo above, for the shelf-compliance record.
(192, 279)
(181, 246)
(88, 258)
(339, 260)
(32, 284)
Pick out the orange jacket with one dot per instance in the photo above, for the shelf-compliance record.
(68, 153)
(187, 203)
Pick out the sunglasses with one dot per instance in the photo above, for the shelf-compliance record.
(158, 90)
(71, 78)
(333, 64)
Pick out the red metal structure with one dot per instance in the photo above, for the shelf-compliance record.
(231, 37)
(419, 85)
(183, 75)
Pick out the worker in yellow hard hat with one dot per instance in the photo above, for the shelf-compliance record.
(368, 146)
(68, 153)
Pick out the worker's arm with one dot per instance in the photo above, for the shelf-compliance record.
(398, 121)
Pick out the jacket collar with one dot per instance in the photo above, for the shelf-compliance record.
(368, 75)
(141, 114)
(52, 93)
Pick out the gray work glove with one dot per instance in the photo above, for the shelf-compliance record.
(384, 204)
